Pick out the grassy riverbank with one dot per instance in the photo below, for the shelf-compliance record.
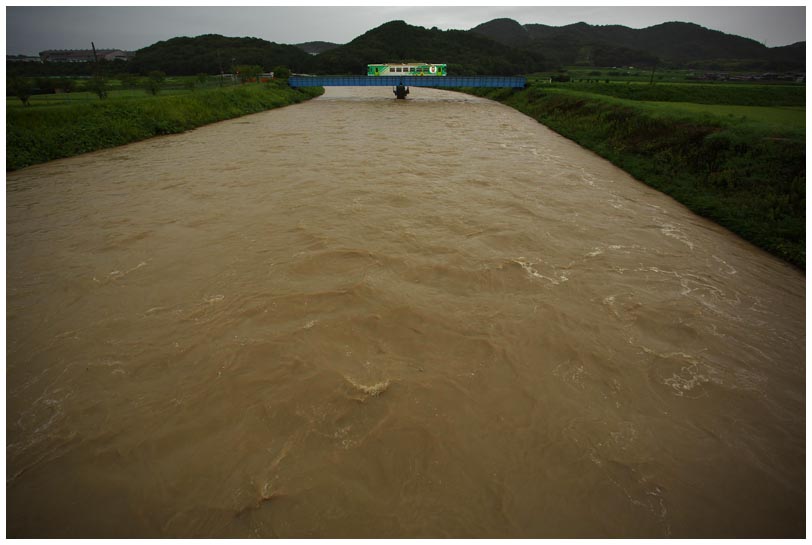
(742, 166)
(41, 133)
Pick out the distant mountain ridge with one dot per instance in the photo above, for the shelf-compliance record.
(674, 43)
(466, 53)
(500, 47)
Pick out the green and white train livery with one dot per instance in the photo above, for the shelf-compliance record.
(407, 69)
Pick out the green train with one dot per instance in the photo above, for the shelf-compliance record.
(407, 69)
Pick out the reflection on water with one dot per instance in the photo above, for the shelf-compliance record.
(362, 317)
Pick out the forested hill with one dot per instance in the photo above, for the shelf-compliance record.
(499, 47)
(314, 48)
(466, 53)
(212, 53)
(676, 44)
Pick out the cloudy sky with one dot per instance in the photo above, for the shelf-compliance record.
(31, 29)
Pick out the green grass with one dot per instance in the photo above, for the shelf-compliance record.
(50, 131)
(787, 119)
(63, 99)
(779, 119)
(741, 166)
(172, 86)
(697, 93)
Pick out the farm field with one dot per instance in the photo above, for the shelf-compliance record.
(83, 97)
(777, 118)
(771, 112)
(117, 90)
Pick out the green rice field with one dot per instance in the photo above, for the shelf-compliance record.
(81, 97)
(788, 118)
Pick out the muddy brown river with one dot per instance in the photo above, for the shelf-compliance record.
(362, 317)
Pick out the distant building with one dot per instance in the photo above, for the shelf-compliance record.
(84, 55)
(22, 58)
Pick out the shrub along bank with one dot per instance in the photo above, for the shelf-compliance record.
(745, 176)
(36, 135)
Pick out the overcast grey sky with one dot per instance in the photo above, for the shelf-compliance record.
(30, 30)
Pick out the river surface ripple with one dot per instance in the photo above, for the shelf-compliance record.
(361, 317)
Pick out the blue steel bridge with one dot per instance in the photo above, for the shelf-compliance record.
(516, 82)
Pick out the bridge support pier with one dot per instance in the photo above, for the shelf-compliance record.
(401, 91)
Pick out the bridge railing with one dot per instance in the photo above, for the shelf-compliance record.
(409, 81)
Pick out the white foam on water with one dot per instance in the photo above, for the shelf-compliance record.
(117, 274)
(675, 232)
(690, 376)
(533, 273)
(371, 390)
(730, 270)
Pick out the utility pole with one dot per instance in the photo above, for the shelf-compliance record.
(96, 67)
(651, 81)
(98, 80)
(220, 62)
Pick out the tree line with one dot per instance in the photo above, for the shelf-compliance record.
(464, 52)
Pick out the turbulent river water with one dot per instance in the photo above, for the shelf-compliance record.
(362, 317)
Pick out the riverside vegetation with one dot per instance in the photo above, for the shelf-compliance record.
(735, 154)
(56, 127)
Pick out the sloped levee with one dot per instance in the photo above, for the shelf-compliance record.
(37, 135)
